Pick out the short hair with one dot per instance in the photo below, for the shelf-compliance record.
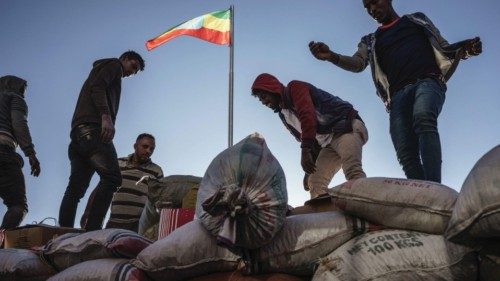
(144, 135)
(132, 55)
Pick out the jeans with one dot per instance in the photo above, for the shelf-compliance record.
(88, 154)
(12, 187)
(344, 151)
(413, 127)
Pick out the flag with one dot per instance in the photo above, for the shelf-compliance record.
(213, 27)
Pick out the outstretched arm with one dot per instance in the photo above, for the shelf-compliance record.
(354, 63)
(473, 47)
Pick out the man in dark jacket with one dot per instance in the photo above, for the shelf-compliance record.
(410, 63)
(314, 116)
(92, 130)
(14, 131)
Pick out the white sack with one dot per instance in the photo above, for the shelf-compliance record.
(397, 203)
(398, 255)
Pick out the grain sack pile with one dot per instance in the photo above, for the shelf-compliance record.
(380, 229)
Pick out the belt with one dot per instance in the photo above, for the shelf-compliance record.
(7, 141)
(86, 125)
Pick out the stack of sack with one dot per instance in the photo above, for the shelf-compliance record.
(95, 255)
(383, 229)
(435, 233)
(241, 226)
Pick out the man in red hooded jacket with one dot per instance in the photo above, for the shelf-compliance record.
(315, 117)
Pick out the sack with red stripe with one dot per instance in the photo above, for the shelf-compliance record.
(72, 248)
(171, 219)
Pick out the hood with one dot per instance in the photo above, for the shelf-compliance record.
(11, 83)
(268, 83)
(102, 61)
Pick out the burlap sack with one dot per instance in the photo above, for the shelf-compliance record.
(242, 198)
(101, 269)
(397, 203)
(396, 255)
(305, 239)
(238, 276)
(477, 212)
(187, 252)
(23, 265)
(70, 249)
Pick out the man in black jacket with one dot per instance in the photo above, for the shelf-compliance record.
(92, 130)
(14, 131)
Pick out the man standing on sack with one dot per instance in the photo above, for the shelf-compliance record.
(14, 131)
(92, 130)
(315, 116)
(410, 63)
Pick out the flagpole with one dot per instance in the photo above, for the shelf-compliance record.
(231, 78)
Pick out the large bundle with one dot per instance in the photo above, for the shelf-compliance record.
(242, 198)
(172, 192)
(304, 239)
(397, 203)
(393, 255)
(23, 265)
(101, 269)
(70, 249)
(171, 189)
(187, 252)
(477, 211)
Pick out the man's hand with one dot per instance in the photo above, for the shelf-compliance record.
(107, 128)
(35, 165)
(307, 162)
(473, 47)
(320, 51)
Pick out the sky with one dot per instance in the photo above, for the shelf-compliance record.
(182, 96)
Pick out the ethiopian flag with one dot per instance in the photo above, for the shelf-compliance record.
(213, 27)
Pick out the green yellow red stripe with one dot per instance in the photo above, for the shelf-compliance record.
(213, 27)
